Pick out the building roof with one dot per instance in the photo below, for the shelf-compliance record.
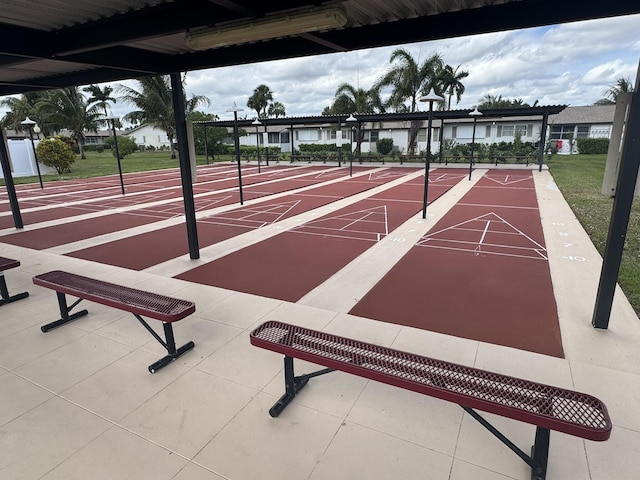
(58, 43)
(589, 114)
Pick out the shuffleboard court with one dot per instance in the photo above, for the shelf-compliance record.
(289, 265)
(480, 273)
(170, 242)
(81, 229)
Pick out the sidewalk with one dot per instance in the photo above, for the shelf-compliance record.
(78, 402)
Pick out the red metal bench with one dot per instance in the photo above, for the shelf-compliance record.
(547, 407)
(6, 264)
(137, 302)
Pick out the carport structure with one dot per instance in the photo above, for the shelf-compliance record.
(58, 43)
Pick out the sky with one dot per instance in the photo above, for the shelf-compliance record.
(568, 64)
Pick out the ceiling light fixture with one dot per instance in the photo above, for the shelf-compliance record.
(267, 28)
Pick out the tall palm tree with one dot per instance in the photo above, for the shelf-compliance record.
(409, 80)
(450, 82)
(154, 103)
(67, 108)
(623, 85)
(100, 96)
(276, 109)
(260, 100)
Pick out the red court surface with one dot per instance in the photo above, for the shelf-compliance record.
(113, 221)
(480, 273)
(171, 242)
(289, 265)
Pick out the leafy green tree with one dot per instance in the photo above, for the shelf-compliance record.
(622, 85)
(55, 153)
(260, 100)
(409, 80)
(154, 103)
(126, 146)
(215, 135)
(67, 108)
(450, 82)
(100, 96)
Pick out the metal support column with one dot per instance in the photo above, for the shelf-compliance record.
(543, 139)
(626, 184)
(8, 180)
(185, 165)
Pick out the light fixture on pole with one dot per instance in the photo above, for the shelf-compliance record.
(257, 122)
(27, 122)
(292, 23)
(112, 123)
(236, 139)
(351, 119)
(475, 113)
(430, 97)
(36, 130)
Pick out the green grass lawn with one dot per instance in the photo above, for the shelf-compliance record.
(579, 177)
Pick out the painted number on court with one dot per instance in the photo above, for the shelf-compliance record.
(398, 239)
(576, 258)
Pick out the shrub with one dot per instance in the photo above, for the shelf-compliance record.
(593, 145)
(126, 146)
(55, 153)
(384, 146)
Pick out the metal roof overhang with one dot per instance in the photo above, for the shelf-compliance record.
(58, 43)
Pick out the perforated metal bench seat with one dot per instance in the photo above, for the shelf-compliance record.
(7, 264)
(547, 407)
(138, 302)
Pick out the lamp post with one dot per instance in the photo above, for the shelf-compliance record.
(430, 97)
(206, 149)
(27, 122)
(236, 139)
(351, 119)
(112, 122)
(475, 114)
(256, 122)
(339, 144)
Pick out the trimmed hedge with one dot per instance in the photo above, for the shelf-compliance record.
(593, 146)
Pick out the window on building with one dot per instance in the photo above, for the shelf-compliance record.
(307, 135)
(562, 132)
(284, 137)
(454, 132)
(487, 131)
(583, 131)
(332, 134)
(507, 131)
(273, 137)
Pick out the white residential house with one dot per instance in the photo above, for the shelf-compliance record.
(148, 136)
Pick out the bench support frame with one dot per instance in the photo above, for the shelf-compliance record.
(539, 451)
(168, 343)
(4, 292)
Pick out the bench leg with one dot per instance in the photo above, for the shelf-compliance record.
(169, 343)
(292, 385)
(540, 454)
(64, 313)
(4, 292)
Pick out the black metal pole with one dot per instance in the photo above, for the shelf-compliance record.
(351, 153)
(266, 144)
(236, 139)
(35, 156)
(8, 181)
(115, 144)
(625, 188)
(543, 138)
(258, 147)
(427, 163)
(206, 149)
(185, 168)
(473, 144)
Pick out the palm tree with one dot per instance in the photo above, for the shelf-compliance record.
(260, 100)
(100, 97)
(410, 80)
(450, 79)
(154, 103)
(27, 105)
(67, 108)
(276, 109)
(623, 85)
(489, 102)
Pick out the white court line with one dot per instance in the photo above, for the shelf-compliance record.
(484, 233)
